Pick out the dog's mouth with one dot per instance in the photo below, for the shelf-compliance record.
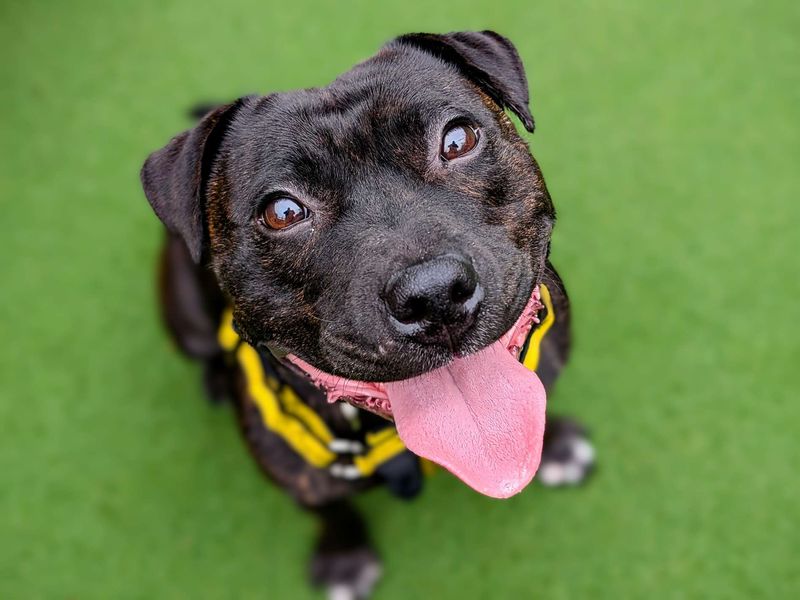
(481, 416)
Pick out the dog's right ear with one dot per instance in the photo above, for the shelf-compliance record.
(485, 57)
(174, 177)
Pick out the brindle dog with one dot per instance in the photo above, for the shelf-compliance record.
(377, 228)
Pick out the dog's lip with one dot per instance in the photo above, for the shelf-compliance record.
(435, 357)
(372, 395)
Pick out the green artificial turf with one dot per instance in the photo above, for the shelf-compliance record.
(668, 133)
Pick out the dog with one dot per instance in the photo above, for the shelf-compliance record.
(363, 269)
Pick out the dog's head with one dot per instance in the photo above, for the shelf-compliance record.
(383, 228)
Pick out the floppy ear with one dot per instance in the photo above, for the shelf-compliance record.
(485, 57)
(174, 177)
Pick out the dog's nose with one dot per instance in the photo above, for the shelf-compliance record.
(434, 301)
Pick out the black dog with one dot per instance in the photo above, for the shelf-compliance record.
(383, 240)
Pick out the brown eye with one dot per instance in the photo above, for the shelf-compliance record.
(283, 212)
(457, 141)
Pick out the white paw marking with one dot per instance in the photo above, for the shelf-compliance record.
(551, 474)
(571, 471)
(362, 587)
(583, 451)
(341, 591)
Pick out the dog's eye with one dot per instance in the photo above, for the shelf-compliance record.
(283, 212)
(457, 141)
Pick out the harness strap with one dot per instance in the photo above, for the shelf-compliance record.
(532, 350)
(284, 412)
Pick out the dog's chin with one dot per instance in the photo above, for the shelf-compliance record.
(410, 359)
(407, 359)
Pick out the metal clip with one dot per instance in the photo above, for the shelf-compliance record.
(344, 471)
(344, 446)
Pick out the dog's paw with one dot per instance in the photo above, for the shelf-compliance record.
(568, 456)
(346, 574)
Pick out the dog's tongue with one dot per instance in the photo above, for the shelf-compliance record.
(481, 417)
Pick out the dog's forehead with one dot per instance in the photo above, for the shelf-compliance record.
(375, 116)
(396, 85)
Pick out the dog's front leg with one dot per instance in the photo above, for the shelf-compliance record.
(344, 561)
(191, 306)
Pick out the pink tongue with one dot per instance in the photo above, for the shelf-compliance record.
(481, 417)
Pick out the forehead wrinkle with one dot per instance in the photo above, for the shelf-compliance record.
(347, 139)
(334, 153)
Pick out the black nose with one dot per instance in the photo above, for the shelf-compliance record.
(434, 301)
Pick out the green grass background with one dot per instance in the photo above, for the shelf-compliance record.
(668, 133)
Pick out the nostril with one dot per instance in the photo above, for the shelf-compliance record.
(414, 310)
(462, 290)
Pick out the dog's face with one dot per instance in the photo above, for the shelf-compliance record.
(387, 232)
(377, 227)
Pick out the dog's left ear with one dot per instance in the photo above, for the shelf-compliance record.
(174, 177)
(486, 58)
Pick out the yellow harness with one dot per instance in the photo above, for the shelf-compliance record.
(285, 414)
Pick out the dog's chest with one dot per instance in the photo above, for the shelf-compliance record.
(347, 442)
